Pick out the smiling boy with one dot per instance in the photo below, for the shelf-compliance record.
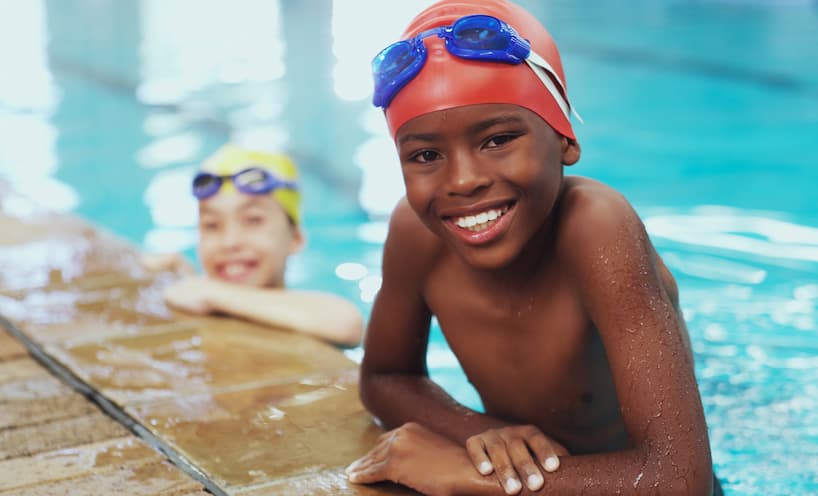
(547, 288)
(249, 224)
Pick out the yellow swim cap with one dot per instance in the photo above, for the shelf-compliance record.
(230, 159)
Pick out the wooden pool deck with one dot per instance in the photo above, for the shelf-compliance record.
(104, 390)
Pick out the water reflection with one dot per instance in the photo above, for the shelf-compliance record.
(173, 214)
(27, 83)
(167, 150)
(356, 40)
(737, 232)
(27, 155)
(228, 43)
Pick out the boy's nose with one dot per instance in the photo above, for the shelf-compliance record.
(466, 177)
(231, 237)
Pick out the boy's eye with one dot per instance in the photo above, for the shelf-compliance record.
(500, 140)
(208, 226)
(425, 156)
(254, 220)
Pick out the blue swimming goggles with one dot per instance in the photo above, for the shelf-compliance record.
(253, 181)
(473, 37)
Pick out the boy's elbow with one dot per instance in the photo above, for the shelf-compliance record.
(351, 330)
(688, 475)
(700, 484)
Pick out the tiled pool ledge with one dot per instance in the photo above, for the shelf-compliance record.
(242, 409)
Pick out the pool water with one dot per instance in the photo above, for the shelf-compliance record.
(703, 113)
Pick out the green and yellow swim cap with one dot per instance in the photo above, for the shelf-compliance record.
(230, 159)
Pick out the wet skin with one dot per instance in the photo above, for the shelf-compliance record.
(556, 304)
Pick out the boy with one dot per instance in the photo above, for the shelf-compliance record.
(248, 225)
(547, 288)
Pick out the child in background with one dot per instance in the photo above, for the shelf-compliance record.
(547, 288)
(248, 225)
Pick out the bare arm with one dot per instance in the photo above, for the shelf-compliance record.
(167, 262)
(395, 385)
(604, 245)
(318, 314)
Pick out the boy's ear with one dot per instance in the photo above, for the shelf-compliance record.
(298, 240)
(570, 151)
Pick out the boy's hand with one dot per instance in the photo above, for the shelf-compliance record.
(167, 262)
(414, 456)
(507, 451)
(190, 295)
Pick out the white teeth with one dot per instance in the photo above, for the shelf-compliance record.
(480, 221)
(232, 270)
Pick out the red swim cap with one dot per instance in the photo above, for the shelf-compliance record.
(446, 81)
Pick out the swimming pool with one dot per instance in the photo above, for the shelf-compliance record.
(704, 113)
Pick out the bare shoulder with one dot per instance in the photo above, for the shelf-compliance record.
(593, 217)
(597, 223)
(589, 203)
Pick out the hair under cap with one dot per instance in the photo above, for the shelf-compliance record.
(446, 81)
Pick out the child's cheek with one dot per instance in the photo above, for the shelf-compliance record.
(206, 253)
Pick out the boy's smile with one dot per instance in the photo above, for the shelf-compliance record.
(481, 225)
(483, 177)
(236, 271)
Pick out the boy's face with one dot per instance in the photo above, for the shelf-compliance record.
(246, 239)
(483, 177)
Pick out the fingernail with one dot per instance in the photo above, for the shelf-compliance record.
(513, 486)
(552, 463)
(485, 468)
(535, 481)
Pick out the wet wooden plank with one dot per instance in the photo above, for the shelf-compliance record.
(10, 348)
(40, 248)
(324, 483)
(75, 314)
(127, 459)
(38, 400)
(157, 478)
(20, 368)
(208, 355)
(59, 434)
(30, 395)
(258, 435)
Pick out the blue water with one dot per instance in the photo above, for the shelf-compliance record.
(703, 113)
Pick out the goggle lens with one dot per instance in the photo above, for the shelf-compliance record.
(394, 59)
(205, 185)
(252, 180)
(479, 33)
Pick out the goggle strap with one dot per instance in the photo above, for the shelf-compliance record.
(542, 69)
